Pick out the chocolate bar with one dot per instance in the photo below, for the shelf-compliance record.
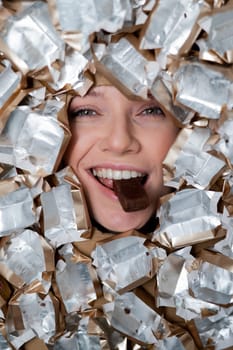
(131, 194)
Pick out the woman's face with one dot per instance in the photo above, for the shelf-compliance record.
(114, 136)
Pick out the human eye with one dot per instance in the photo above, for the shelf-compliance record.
(82, 112)
(152, 111)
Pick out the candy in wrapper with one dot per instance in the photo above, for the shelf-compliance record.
(196, 86)
(74, 282)
(225, 144)
(189, 217)
(123, 263)
(170, 25)
(218, 44)
(131, 316)
(80, 339)
(36, 316)
(32, 139)
(192, 163)
(59, 217)
(72, 17)
(205, 284)
(4, 345)
(23, 214)
(10, 82)
(125, 65)
(23, 248)
(32, 42)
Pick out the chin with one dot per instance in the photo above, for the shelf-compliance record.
(125, 221)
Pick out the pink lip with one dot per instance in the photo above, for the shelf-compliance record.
(105, 190)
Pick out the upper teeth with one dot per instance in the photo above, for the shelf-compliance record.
(116, 174)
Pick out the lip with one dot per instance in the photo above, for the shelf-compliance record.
(105, 190)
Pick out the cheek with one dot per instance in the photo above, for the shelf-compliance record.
(159, 143)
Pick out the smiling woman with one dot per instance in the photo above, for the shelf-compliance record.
(116, 138)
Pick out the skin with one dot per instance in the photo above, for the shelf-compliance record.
(114, 132)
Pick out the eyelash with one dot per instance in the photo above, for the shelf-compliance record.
(82, 112)
(153, 111)
(88, 112)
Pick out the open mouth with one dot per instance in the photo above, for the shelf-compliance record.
(107, 176)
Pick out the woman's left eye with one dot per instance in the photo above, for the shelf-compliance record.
(152, 111)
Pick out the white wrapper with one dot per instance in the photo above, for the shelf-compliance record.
(38, 316)
(79, 339)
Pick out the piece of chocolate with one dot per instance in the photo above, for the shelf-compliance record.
(131, 194)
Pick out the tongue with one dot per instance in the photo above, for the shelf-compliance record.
(131, 194)
(106, 182)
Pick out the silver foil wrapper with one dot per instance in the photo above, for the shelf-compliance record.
(219, 43)
(189, 217)
(104, 15)
(170, 26)
(24, 256)
(59, 216)
(32, 40)
(32, 139)
(37, 316)
(79, 339)
(124, 63)
(75, 283)
(23, 215)
(193, 164)
(196, 86)
(131, 316)
(123, 263)
(9, 82)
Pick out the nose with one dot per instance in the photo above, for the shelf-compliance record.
(121, 136)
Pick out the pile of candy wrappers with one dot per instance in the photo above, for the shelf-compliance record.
(64, 285)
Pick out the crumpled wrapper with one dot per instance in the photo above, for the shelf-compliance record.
(124, 263)
(191, 162)
(36, 315)
(123, 64)
(196, 86)
(32, 139)
(170, 26)
(218, 44)
(189, 217)
(72, 18)
(31, 41)
(63, 283)
(74, 281)
(16, 254)
(23, 214)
